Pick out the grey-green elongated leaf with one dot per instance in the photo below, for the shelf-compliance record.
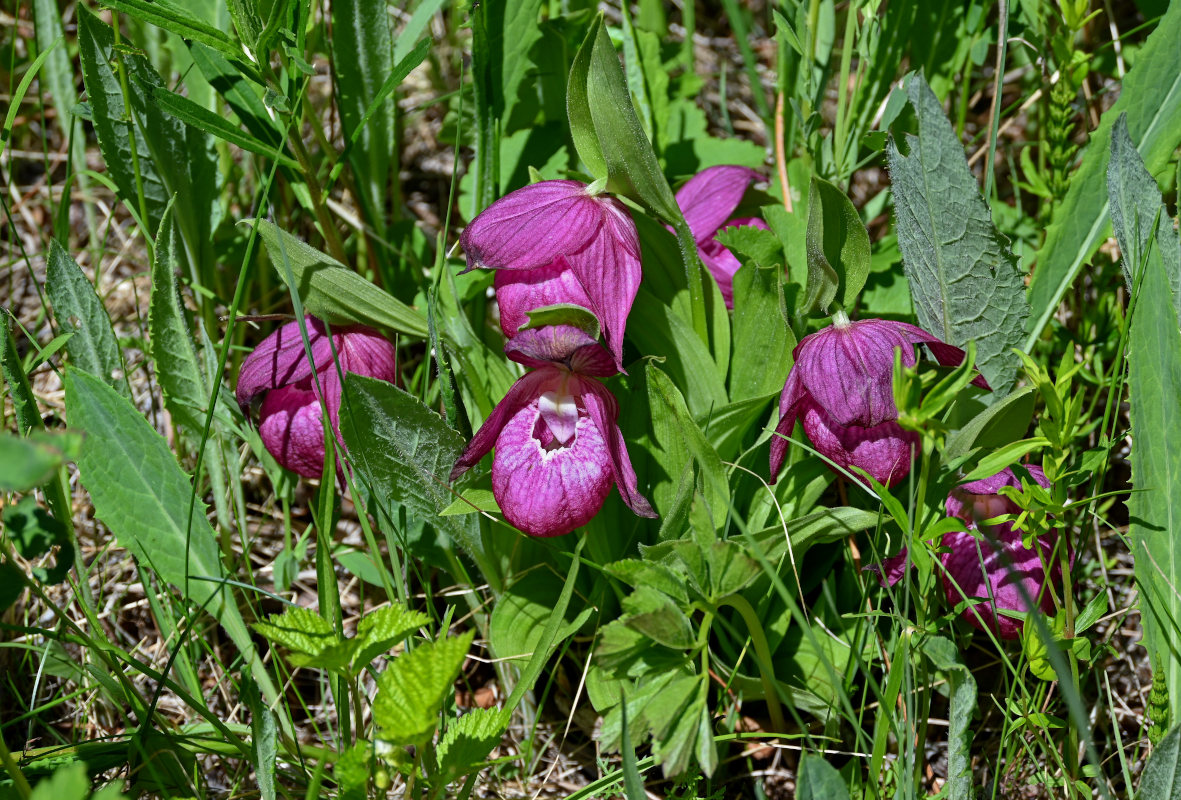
(405, 450)
(171, 346)
(143, 496)
(415, 686)
(78, 310)
(24, 404)
(763, 341)
(1136, 205)
(362, 55)
(172, 18)
(963, 278)
(333, 292)
(1154, 384)
(172, 158)
(820, 780)
(1151, 95)
(578, 108)
(263, 740)
(944, 656)
(200, 117)
(838, 249)
(1162, 774)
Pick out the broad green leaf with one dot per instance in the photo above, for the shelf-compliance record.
(727, 427)
(637, 572)
(362, 55)
(78, 310)
(1161, 779)
(69, 782)
(200, 117)
(963, 277)
(468, 741)
(141, 494)
(522, 611)
(838, 249)
(655, 614)
(1136, 206)
(263, 740)
(760, 246)
(819, 780)
(413, 689)
(677, 439)
(26, 463)
(962, 704)
(405, 451)
(998, 425)
(656, 330)
(1154, 384)
(331, 291)
(763, 341)
(169, 342)
(1151, 95)
(578, 108)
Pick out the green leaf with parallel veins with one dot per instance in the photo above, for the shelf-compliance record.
(838, 249)
(1136, 205)
(469, 739)
(963, 277)
(78, 310)
(1154, 384)
(518, 621)
(331, 291)
(820, 780)
(763, 341)
(143, 496)
(413, 689)
(1151, 95)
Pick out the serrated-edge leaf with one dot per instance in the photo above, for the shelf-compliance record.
(411, 692)
(963, 277)
(469, 739)
(78, 310)
(380, 631)
(300, 630)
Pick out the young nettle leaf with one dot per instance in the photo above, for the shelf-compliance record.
(838, 249)
(468, 741)
(412, 691)
(963, 276)
(315, 643)
(34, 532)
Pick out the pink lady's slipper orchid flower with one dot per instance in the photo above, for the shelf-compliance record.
(520, 291)
(290, 423)
(708, 202)
(996, 586)
(841, 388)
(558, 447)
(536, 225)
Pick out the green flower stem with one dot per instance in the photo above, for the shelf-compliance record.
(693, 271)
(763, 654)
(14, 772)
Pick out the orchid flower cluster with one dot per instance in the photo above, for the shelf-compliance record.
(558, 446)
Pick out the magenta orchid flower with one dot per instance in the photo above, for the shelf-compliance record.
(1006, 572)
(1005, 569)
(536, 225)
(290, 421)
(558, 447)
(520, 291)
(841, 388)
(708, 201)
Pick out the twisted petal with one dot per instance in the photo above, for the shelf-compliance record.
(520, 291)
(548, 490)
(710, 197)
(530, 227)
(608, 268)
(883, 450)
(292, 431)
(560, 344)
(525, 391)
(1005, 569)
(603, 410)
(279, 360)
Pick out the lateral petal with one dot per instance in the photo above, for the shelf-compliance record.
(603, 410)
(710, 197)
(291, 430)
(279, 360)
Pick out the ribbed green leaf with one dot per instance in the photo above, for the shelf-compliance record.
(1162, 774)
(962, 704)
(379, 631)
(143, 496)
(838, 249)
(763, 341)
(963, 278)
(200, 117)
(173, 18)
(412, 691)
(469, 739)
(1154, 384)
(331, 291)
(78, 310)
(1150, 94)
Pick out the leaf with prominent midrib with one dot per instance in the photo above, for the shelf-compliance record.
(963, 278)
(1151, 95)
(143, 496)
(1136, 205)
(414, 687)
(1154, 386)
(1162, 775)
(78, 310)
